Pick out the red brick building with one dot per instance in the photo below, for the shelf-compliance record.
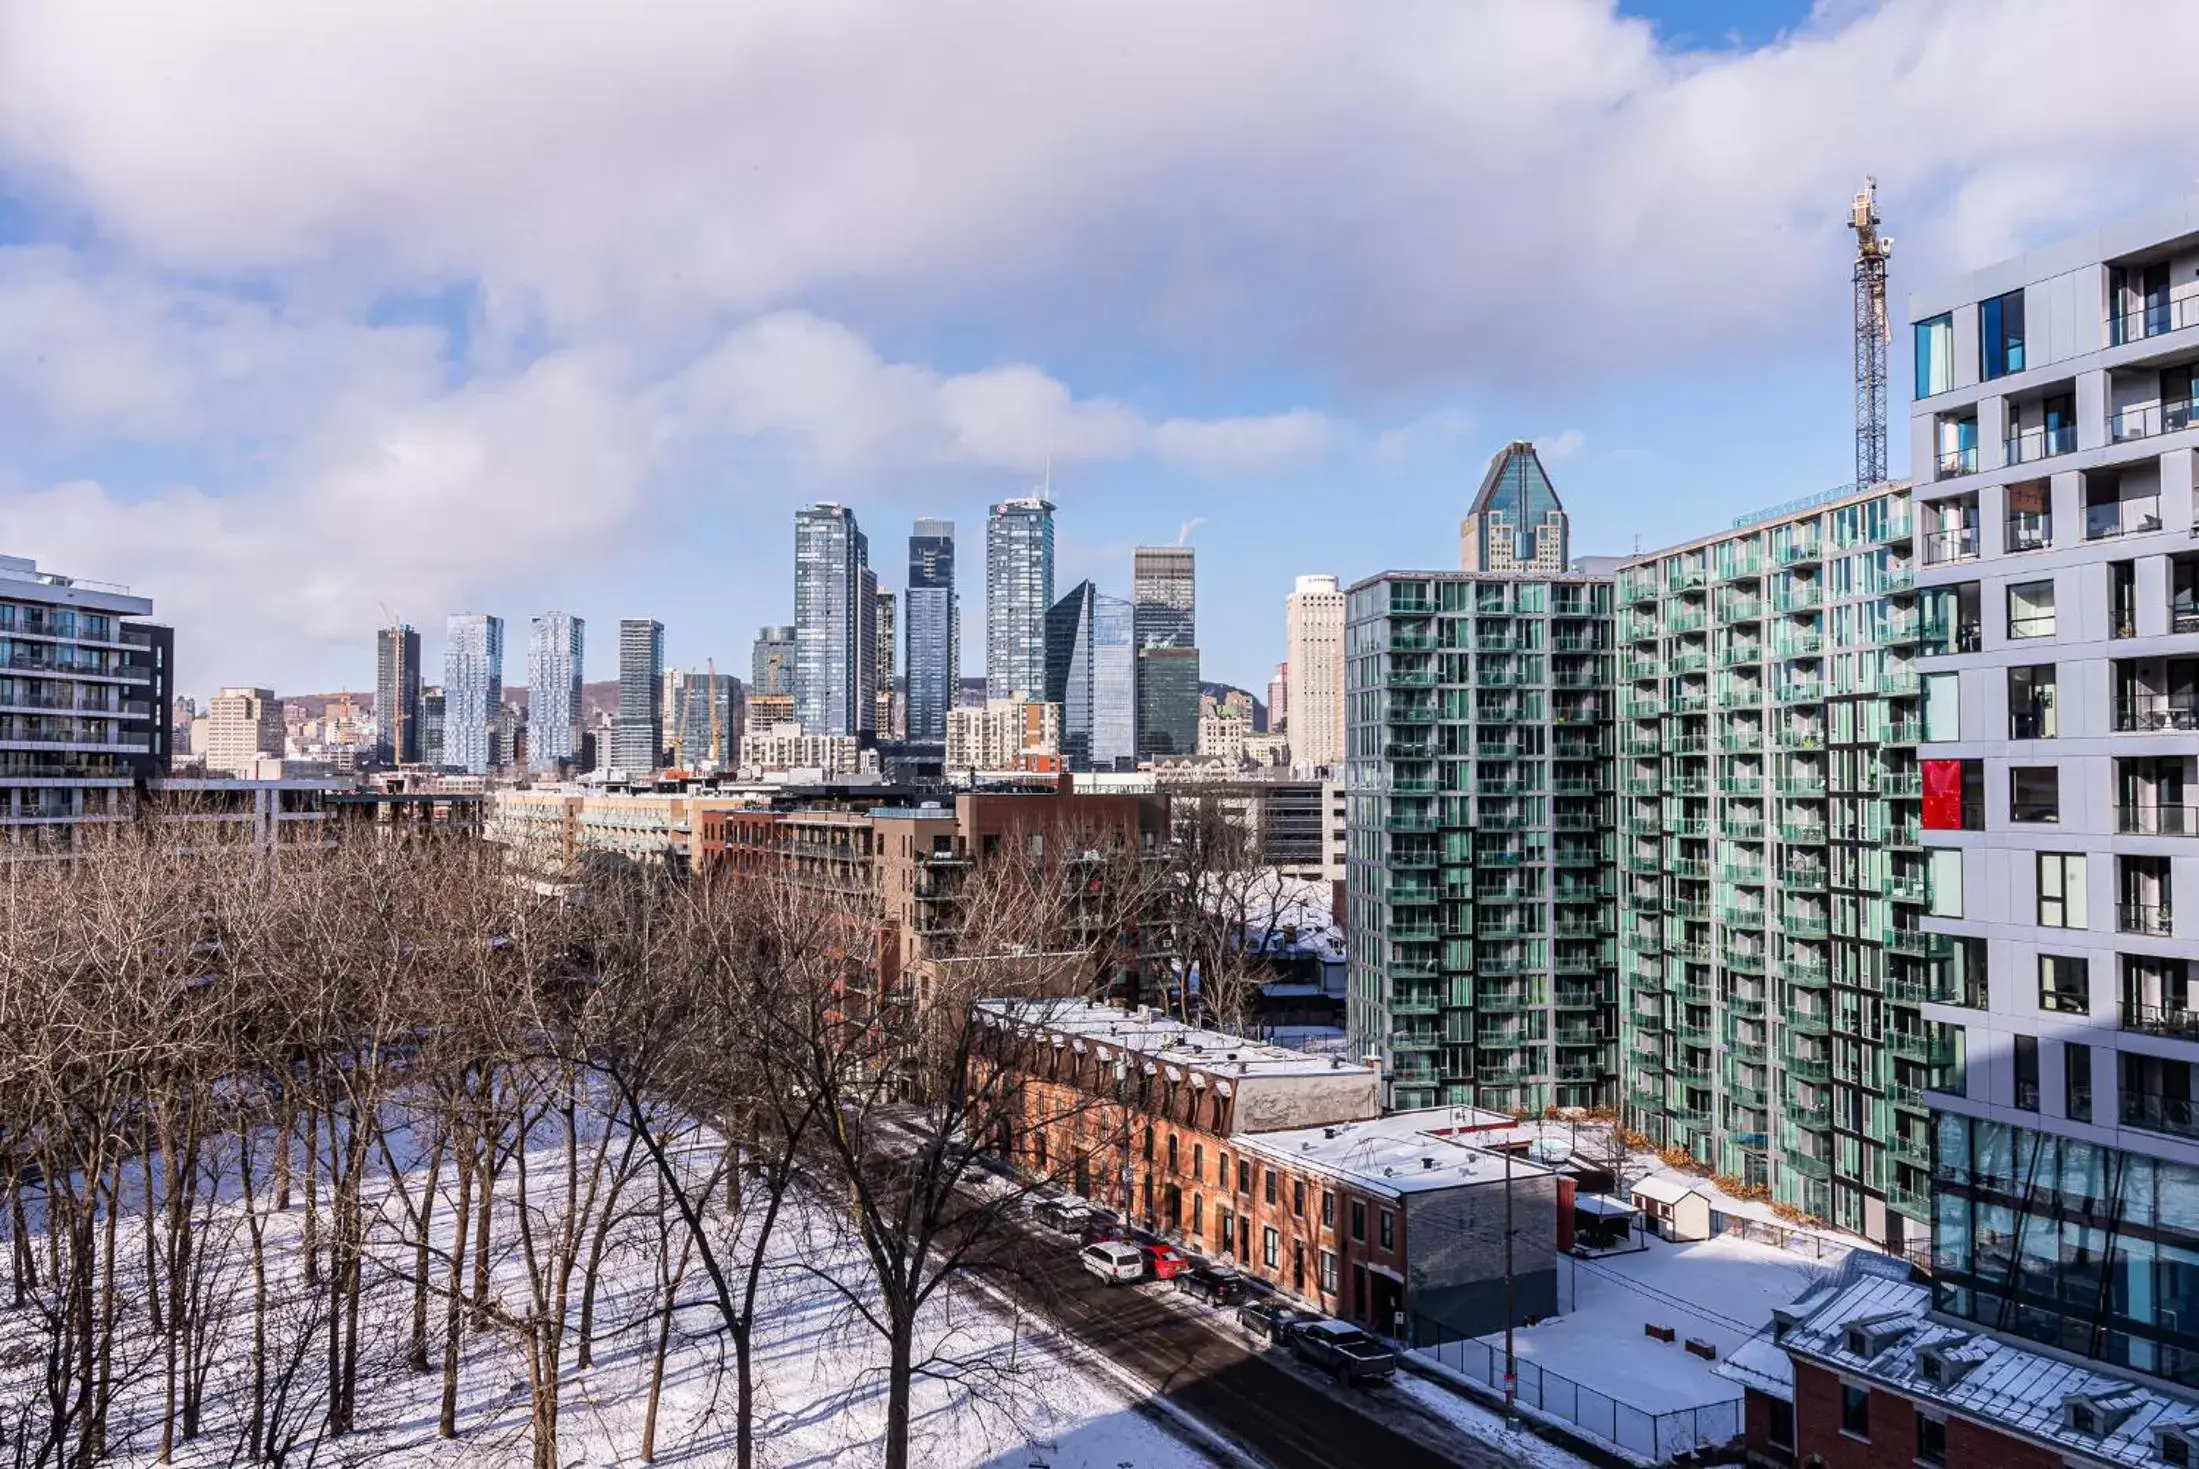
(1859, 1374)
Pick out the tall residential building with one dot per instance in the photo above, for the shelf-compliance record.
(1164, 596)
(637, 731)
(1516, 523)
(886, 720)
(934, 617)
(1008, 735)
(556, 645)
(397, 695)
(1772, 883)
(1019, 594)
(835, 623)
(473, 690)
(1092, 673)
(1483, 968)
(703, 716)
(1313, 620)
(241, 726)
(1278, 699)
(73, 669)
(771, 664)
(2054, 435)
(1168, 701)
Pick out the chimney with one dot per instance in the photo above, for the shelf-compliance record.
(1427, 1164)
(1065, 784)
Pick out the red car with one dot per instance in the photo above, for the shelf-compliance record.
(1165, 1262)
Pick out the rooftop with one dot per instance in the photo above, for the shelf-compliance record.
(2012, 1386)
(1158, 1038)
(1403, 1153)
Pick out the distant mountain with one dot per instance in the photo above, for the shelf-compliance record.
(595, 698)
(1224, 690)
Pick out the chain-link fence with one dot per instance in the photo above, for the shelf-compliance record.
(1656, 1437)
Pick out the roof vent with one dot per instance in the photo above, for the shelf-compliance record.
(1328, 1132)
(1427, 1163)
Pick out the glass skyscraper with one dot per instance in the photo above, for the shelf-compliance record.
(473, 690)
(1092, 673)
(554, 647)
(637, 730)
(771, 664)
(397, 695)
(835, 623)
(1164, 600)
(934, 617)
(1019, 591)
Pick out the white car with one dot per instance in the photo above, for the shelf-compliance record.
(1114, 1262)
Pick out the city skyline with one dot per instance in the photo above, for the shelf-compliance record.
(483, 421)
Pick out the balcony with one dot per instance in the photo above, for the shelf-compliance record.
(1955, 462)
(2155, 713)
(1742, 609)
(2148, 919)
(1944, 546)
(2171, 1115)
(1808, 1166)
(2027, 446)
(2155, 318)
(1909, 1203)
(2107, 519)
(2176, 1021)
(2158, 820)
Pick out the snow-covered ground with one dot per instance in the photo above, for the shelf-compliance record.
(1721, 1291)
(1018, 1397)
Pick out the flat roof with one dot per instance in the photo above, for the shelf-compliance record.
(1156, 1037)
(1402, 1153)
(1668, 1188)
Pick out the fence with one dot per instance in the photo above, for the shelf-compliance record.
(1809, 1242)
(1655, 1437)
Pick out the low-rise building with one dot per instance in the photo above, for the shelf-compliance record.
(1006, 734)
(789, 747)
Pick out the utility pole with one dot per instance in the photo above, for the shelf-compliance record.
(1511, 1363)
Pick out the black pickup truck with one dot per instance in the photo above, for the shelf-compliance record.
(1341, 1350)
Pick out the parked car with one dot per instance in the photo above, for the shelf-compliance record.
(1114, 1262)
(1341, 1349)
(1065, 1215)
(1099, 1225)
(1214, 1286)
(1268, 1320)
(1166, 1262)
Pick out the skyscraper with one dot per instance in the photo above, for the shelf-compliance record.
(1091, 671)
(771, 665)
(397, 695)
(243, 725)
(934, 618)
(554, 655)
(884, 645)
(473, 690)
(835, 623)
(431, 725)
(1516, 523)
(637, 735)
(702, 714)
(1163, 594)
(1314, 637)
(1019, 593)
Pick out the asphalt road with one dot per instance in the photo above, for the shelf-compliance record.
(1280, 1413)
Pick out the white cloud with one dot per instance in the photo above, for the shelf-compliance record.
(1560, 446)
(1431, 433)
(1243, 445)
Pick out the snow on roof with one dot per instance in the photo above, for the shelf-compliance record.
(1668, 1188)
(1602, 1207)
(1998, 1382)
(1158, 1039)
(1402, 1153)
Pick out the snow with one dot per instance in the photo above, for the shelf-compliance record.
(1518, 1444)
(1014, 1395)
(1601, 1345)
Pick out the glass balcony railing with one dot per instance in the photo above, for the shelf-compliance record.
(2027, 445)
(2155, 318)
(1950, 463)
(2151, 419)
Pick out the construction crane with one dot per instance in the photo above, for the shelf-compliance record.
(717, 737)
(1872, 335)
(395, 717)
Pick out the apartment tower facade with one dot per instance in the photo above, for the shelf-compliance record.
(637, 730)
(473, 691)
(1313, 629)
(934, 618)
(397, 695)
(1019, 593)
(835, 623)
(556, 643)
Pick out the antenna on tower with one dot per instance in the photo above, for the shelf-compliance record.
(1872, 334)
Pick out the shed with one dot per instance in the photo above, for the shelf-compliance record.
(1676, 1206)
(1601, 1223)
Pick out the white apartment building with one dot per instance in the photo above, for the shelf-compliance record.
(1313, 619)
(788, 747)
(997, 736)
(242, 725)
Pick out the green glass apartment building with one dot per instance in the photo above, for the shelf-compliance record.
(1772, 880)
(1480, 845)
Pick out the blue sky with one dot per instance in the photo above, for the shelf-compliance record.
(308, 314)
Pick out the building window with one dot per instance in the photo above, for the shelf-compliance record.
(2034, 793)
(1271, 1246)
(1942, 708)
(1328, 1209)
(2027, 1072)
(1269, 1176)
(1855, 1410)
(2061, 890)
(1328, 1272)
(1954, 794)
(1389, 1229)
(2064, 986)
(1931, 1440)
(1298, 1197)
(2077, 1081)
(1935, 355)
(1172, 1152)
(1148, 1142)
(2031, 703)
(1358, 1221)
(1781, 1427)
(1229, 1229)
(1198, 1162)
(2031, 610)
(2000, 336)
(1244, 1176)
(1943, 884)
